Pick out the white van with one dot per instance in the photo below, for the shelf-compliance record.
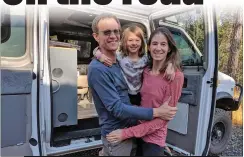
(46, 104)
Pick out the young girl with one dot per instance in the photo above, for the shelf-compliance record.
(155, 91)
(133, 59)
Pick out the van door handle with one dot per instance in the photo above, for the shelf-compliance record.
(58, 85)
(186, 92)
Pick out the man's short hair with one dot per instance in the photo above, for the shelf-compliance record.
(101, 17)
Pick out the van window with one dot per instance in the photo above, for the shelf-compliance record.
(192, 23)
(187, 52)
(13, 32)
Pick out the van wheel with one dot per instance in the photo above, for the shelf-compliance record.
(221, 132)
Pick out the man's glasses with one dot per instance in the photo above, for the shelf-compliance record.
(109, 32)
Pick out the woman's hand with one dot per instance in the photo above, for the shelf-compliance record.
(115, 136)
(105, 60)
(170, 72)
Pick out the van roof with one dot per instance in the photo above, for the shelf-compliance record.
(141, 9)
(74, 13)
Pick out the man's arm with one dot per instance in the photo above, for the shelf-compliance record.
(104, 87)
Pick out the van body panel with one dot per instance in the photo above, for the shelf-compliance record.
(13, 125)
(16, 81)
(17, 150)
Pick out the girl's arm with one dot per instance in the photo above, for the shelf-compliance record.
(101, 57)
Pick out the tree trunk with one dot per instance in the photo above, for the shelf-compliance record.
(235, 43)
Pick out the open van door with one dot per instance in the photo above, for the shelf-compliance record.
(195, 32)
(58, 89)
(20, 129)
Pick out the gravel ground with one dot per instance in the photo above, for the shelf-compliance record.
(235, 144)
(93, 152)
(234, 147)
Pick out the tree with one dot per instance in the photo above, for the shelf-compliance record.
(235, 44)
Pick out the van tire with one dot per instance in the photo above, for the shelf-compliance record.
(221, 131)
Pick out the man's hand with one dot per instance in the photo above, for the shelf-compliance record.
(165, 111)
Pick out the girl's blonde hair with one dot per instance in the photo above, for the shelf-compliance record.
(139, 33)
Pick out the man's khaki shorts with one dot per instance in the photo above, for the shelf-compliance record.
(123, 148)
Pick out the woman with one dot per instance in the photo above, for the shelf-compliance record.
(154, 92)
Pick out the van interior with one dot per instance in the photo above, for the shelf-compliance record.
(70, 36)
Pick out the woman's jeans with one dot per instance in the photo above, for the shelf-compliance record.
(148, 149)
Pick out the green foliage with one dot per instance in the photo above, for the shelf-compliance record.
(225, 19)
(196, 31)
(192, 23)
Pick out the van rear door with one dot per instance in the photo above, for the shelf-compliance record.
(195, 32)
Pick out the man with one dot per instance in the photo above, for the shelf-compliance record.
(110, 92)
